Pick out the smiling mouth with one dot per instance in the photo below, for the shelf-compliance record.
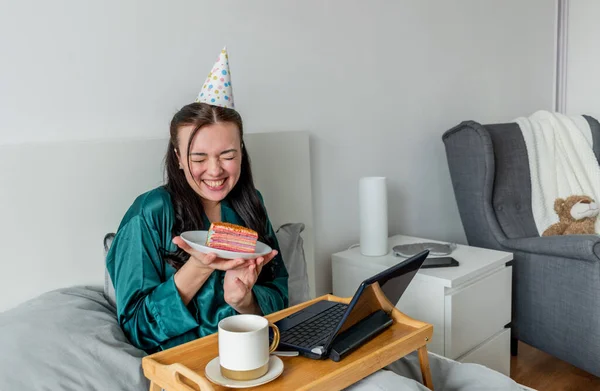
(215, 185)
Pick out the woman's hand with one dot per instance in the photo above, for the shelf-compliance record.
(194, 273)
(207, 262)
(238, 283)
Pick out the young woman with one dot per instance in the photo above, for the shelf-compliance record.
(166, 292)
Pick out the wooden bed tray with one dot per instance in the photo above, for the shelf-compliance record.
(182, 367)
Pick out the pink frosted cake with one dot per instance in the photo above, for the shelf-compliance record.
(231, 237)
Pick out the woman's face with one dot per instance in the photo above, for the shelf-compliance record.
(215, 159)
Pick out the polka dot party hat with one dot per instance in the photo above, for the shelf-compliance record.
(217, 90)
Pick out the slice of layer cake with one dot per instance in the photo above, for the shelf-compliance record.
(231, 237)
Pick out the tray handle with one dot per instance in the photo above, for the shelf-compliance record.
(179, 370)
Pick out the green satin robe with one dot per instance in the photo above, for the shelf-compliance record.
(149, 307)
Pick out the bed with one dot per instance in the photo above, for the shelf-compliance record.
(58, 328)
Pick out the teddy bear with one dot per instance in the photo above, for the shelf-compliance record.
(577, 216)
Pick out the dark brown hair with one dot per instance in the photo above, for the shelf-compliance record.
(186, 202)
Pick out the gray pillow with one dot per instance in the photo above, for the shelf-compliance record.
(69, 340)
(292, 252)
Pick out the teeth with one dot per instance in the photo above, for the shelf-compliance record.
(215, 183)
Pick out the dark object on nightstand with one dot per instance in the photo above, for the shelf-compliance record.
(432, 262)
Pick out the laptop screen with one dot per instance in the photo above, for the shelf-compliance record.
(394, 285)
(393, 282)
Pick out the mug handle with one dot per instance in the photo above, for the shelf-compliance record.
(275, 342)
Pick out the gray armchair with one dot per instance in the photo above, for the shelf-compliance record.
(556, 279)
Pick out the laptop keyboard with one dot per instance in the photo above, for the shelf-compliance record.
(317, 329)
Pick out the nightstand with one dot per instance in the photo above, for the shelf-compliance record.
(469, 305)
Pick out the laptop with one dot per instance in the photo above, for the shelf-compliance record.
(313, 330)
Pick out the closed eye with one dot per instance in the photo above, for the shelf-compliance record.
(228, 155)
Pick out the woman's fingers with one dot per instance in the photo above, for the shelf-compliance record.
(270, 256)
(207, 259)
(243, 287)
(262, 261)
(250, 276)
(181, 244)
(187, 248)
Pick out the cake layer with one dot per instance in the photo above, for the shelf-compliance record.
(233, 229)
(237, 245)
(232, 239)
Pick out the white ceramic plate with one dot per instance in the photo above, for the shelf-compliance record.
(213, 373)
(197, 239)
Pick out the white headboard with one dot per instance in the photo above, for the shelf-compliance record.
(58, 200)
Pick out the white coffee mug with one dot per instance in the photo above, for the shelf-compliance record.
(244, 346)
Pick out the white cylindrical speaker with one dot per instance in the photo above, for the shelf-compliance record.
(372, 196)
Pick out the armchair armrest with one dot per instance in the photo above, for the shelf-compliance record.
(584, 247)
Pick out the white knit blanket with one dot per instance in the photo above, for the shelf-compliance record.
(561, 162)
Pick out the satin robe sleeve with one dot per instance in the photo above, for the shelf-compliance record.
(150, 309)
(272, 295)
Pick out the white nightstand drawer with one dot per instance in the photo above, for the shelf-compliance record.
(477, 311)
(493, 353)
